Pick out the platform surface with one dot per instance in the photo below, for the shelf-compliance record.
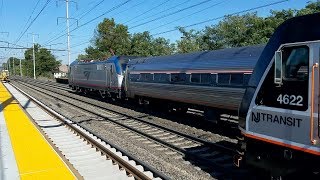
(32, 157)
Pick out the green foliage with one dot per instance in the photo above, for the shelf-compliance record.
(312, 7)
(231, 31)
(111, 36)
(162, 46)
(143, 44)
(46, 63)
(239, 30)
(114, 38)
(189, 41)
(14, 67)
(93, 53)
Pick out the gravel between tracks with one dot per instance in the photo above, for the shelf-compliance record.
(173, 165)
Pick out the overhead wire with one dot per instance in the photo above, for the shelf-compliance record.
(183, 17)
(135, 5)
(147, 11)
(184, 2)
(97, 17)
(110, 10)
(33, 10)
(131, 7)
(213, 19)
(45, 5)
(172, 13)
(79, 44)
(30, 24)
(82, 15)
(1, 10)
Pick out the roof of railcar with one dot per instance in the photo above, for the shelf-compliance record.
(111, 59)
(229, 58)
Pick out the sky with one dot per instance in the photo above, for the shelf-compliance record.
(46, 19)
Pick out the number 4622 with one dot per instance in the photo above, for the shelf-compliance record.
(290, 100)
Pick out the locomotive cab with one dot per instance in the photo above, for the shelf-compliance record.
(279, 116)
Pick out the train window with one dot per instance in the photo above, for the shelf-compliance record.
(161, 77)
(224, 79)
(195, 78)
(156, 77)
(295, 64)
(293, 92)
(146, 77)
(206, 78)
(134, 77)
(236, 79)
(100, 67)
(246, 78)
(178, 77)
(214, 78)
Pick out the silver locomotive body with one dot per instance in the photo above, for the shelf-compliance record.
(106, 77)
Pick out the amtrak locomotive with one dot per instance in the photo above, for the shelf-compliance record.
(279, 112)
(212, 81)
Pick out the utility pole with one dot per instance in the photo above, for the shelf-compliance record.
(20, 64)
(34, 56)
(68, 30)
(68, 27)
(9, 68)
(20, 68)
(12, 65)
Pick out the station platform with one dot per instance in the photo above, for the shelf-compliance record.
(25, 153)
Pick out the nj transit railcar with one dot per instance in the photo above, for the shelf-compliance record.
(279, 114)
(106, 76)
(213, 81)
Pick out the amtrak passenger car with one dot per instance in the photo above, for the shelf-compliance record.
(213, 81)
(106, 76)
(279, 114)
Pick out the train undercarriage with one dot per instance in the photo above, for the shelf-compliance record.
(278, 162)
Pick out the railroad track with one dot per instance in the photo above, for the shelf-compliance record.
(92, 156)
(210, 156)
(227, 122)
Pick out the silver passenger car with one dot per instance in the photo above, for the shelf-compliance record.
(209, 80)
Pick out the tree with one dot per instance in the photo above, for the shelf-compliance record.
(112, 36)
(94, 53)
(143, 44)
(14, 65)
(312, 7)
(46, 63)
(211, 39)
(162, 46)
(189, 41)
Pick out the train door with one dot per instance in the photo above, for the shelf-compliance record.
(112, 75)
(71, 73)
(284, 107)
(108, 71)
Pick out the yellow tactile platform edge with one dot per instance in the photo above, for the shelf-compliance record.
(36, 159)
